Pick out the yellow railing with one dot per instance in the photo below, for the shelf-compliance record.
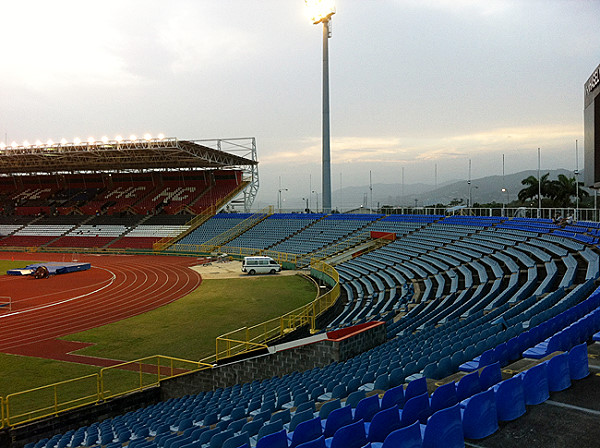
(142, 373)
(2, 412)
(44, 401)
(247, 339)
(52, 399)
(230, 347)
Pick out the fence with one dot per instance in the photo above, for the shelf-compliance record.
(52, 399)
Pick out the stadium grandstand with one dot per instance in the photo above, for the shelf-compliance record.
(119, 193)
(436, 330)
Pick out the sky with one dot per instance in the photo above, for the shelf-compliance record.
(419, 85)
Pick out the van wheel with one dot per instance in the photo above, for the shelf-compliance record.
(251, 272)
(272, 271)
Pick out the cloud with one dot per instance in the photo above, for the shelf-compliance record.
(60, 45)
(397, 151)
(196, 41)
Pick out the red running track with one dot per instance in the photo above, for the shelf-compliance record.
(116, 287)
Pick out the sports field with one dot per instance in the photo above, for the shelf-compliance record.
(184, 328)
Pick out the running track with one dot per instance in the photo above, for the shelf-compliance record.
(116, 287)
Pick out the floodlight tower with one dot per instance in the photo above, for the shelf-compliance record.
(321, 11)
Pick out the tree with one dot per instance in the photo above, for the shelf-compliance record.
(564, 188)
(532, 190)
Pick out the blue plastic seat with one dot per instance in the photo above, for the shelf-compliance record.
(317, 443)
(336, 419)
(393, 396)
(367, 408)
(486, 358)
(510, 399)
(559, 377)
(382, 424)
(310, 405)
(217, 440)
(299, 417)
(444, 429)
(443, 397)
(237, 441)
(305, 432)
(578, 362)
(490, 375)
(501, 354)
(252, 427)
(415, 387)
(354, 398)
(535, 384)
(468, 386)
(276, 439)
(415, 409)
(269, 428)
(396, 377)
(328, 407)
(407, 437)
(236, 425)
(285, 416)
(349, 436)
(479, 415)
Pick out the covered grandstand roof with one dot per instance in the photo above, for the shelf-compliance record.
(121, 155)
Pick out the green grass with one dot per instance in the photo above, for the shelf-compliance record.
(6, 265)
(188, 327)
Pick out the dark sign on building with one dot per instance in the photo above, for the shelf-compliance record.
(591, 119)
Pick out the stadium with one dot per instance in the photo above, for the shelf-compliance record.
(150, 302)
(441, 330)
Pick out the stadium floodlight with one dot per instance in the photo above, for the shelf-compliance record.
(26, 144)
(14, 144)
(118, 139)
(77, 140)
(161, 136)
(91, 140)
(2, 145)
(63, 141)
(147, 137)
(104, 139)
(38, 142)
(321, 11)
(133, 138)
(49, 142)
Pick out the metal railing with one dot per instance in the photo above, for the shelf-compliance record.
(52, 399)
(111, 382)
(256, 337)
(140, 374)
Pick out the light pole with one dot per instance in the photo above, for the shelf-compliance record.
(279, 202)
(321, 11)
(317, 194)
(576, 182)
(307, 210)
(469, 184)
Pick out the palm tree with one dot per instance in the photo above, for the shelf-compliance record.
(564, 188)
(532, 190)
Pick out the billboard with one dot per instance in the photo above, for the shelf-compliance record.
(591, 120)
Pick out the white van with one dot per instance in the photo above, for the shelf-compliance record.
(260, 265)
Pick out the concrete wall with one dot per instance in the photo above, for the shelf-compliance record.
(318, 354)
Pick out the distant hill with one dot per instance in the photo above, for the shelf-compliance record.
(483, 190)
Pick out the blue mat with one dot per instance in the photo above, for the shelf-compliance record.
(53, 268)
